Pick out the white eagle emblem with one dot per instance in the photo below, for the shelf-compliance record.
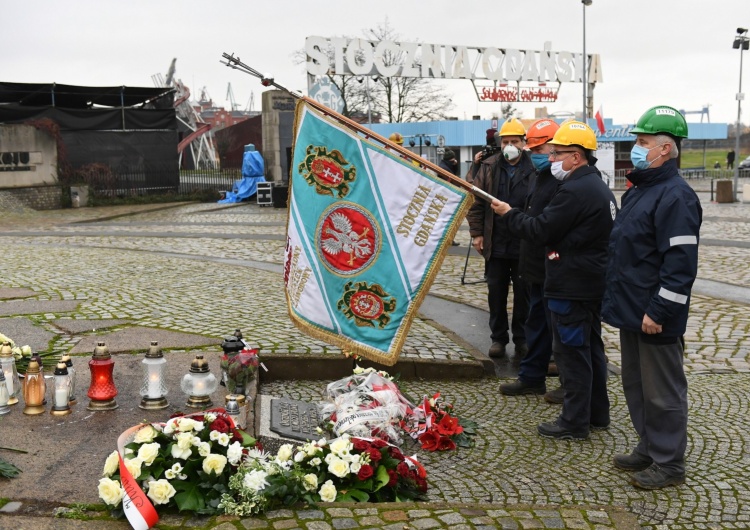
(345, 239)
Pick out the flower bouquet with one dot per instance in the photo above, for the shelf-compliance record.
(346, 469)
(184, 463)
(435, 425)
(239, 369)
(23, 354)
(366, 404)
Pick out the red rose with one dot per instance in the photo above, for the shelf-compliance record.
(429, 441)
(219, 424)
(377, 442)
(176, 415)
(421, 484)
(446, 444)
(365, 472)
(375, 455)
(395, 453)
(403, 469)
(236, 436)
(360, 445)
(392, 478)
(448, 426)
(259, 446)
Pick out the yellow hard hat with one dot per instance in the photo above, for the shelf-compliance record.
(396, 138)
(512, 127)
(575, 133)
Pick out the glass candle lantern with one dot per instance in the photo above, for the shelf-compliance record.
(4, 408)
(36, 357)
(199, 383)
(153, 388)
(102, 390)
(61, 393)
(33, 389)
(72, 373)
(8, 366)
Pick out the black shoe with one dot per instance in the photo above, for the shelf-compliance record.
(553, 430)
(599, 427)
(455, 243)
(497, 349)
(654, 478)
(552, 369)
(631, 462)
(521, 348)
(556, 397)
(519, 387)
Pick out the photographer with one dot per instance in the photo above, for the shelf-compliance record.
(489, 149)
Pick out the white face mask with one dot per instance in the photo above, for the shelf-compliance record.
(558, 172)
(511, 152)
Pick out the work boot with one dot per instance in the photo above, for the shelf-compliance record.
(518, 387)
(555, 397)
(554, 430)
(522, 349)
(631, 462)
(497, 349)
(655, 477)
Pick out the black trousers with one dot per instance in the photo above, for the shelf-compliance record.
(500, 273)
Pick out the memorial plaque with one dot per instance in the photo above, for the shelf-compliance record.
(293, 419)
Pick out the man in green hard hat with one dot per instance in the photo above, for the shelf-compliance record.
(653, 261)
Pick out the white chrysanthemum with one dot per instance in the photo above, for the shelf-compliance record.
(223, 439)
(255, 480)
(234, 453)
(214, 436)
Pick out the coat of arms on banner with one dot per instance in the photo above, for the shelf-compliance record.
(366, 235)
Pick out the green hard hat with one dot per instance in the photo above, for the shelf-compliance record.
(662, 120)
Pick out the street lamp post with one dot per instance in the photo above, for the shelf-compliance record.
(585, 63)
(741, 42)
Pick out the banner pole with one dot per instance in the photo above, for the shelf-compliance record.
(234, 62)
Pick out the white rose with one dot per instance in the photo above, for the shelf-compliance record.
(186, 424)
(327, 492)
(316, 462)
(255, 480)
(111, 464)
(145, 435)
(322, 442)
(285, 452)
(299, 457)
(339, 467)
(183, 448)
(210, 417)
(148, 452)
(204, 449)
(133, 465)
(160, 491)
(214, 463)
(110, 491)
(341, 446)
(26, 350)
(198, 426)
(234, 453)
(170, 426)
(310, 482)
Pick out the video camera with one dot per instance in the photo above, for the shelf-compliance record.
(489, 150)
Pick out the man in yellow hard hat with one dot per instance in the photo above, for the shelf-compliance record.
(574, 227)
(396, 138)
(505, 175)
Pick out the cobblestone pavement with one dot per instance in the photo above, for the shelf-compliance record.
(139, 268)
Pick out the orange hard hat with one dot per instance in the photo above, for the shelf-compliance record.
(541, 132)
(396, 138)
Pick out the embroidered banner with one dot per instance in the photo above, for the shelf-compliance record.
(366, 234)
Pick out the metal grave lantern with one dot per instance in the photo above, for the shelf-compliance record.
(102, 390)
(199, 383)
(153, 389)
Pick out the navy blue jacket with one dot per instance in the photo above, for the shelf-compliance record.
(575, 228)
(653, 253)
(533, 255)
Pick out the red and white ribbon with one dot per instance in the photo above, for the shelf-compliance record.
(138, 509)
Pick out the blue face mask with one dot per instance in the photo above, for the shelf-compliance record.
(540, 161)
(638, 157)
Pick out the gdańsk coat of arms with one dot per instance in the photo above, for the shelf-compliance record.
(367, 304)
(328, 172)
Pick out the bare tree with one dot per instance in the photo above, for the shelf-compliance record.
(394, 99)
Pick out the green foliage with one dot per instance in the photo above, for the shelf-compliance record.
(8, 470)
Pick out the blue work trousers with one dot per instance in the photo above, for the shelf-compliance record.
(534, 366)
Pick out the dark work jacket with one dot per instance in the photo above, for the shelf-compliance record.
(653, 253)
(494, 178)
(533, 256)
(450, 169)
(574, 227)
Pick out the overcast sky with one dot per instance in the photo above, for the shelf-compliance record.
(674, 52)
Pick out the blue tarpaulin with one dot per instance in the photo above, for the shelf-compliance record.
(252, 174)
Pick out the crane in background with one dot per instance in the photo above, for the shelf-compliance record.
(200, 138)
(233, 105)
